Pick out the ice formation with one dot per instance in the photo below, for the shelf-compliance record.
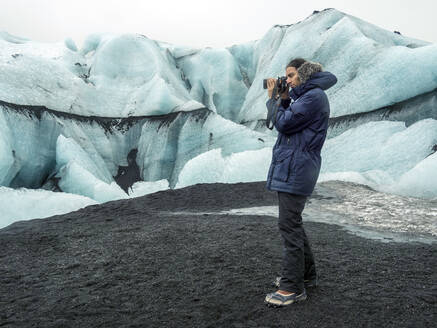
(384, 145)
(212, 166)
(69, 117)
(420, 181)
(67, 150)
(24, 204)
(112, 76)
(7, 167)
(164, 149)
(215, 80)
(144, 188)
(77, 180)
(380, 154)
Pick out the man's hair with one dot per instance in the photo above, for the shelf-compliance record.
(296, 63)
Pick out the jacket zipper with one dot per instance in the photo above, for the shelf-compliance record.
(288, 140)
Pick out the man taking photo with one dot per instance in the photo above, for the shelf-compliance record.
(302, 126)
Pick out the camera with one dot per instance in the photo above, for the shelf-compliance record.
(281, 84)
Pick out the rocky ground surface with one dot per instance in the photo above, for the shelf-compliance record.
(134, 263)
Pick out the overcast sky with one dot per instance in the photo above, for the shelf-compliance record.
(200, 23)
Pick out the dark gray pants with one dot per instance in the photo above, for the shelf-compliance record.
(297, 260)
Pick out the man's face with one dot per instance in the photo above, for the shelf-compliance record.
(292, 77)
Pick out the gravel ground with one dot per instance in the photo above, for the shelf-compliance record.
(132, 263)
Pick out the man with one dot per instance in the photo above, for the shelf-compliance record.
(295, 167)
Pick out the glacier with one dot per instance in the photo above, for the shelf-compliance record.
(47, 143)
(125, 115)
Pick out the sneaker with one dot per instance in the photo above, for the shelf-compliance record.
(308, 283)
(276, 300)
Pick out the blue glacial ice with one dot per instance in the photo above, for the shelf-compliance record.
(142, 188)
(8, 168)
(165, 147)
(215, 79)
(115, 76)
(81, 175)
(70, 44)
(77, 180)
(24, 204)
(384, 145)
(420, 181)
(386, 156)
(67, 150)
(212, 166)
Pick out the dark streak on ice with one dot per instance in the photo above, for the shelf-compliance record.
(108, 123)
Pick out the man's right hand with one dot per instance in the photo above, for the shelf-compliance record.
(270, 86)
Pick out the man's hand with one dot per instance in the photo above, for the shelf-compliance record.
(270, 86)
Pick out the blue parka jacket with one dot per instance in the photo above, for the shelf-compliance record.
(302, 127)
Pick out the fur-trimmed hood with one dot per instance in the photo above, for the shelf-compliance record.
(312, 76)
(307, 69)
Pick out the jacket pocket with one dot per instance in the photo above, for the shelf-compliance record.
(282, 165)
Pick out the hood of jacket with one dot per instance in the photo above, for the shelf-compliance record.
(307, 69)
(311, 76)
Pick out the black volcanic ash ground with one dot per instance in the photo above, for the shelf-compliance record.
(134, 263)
